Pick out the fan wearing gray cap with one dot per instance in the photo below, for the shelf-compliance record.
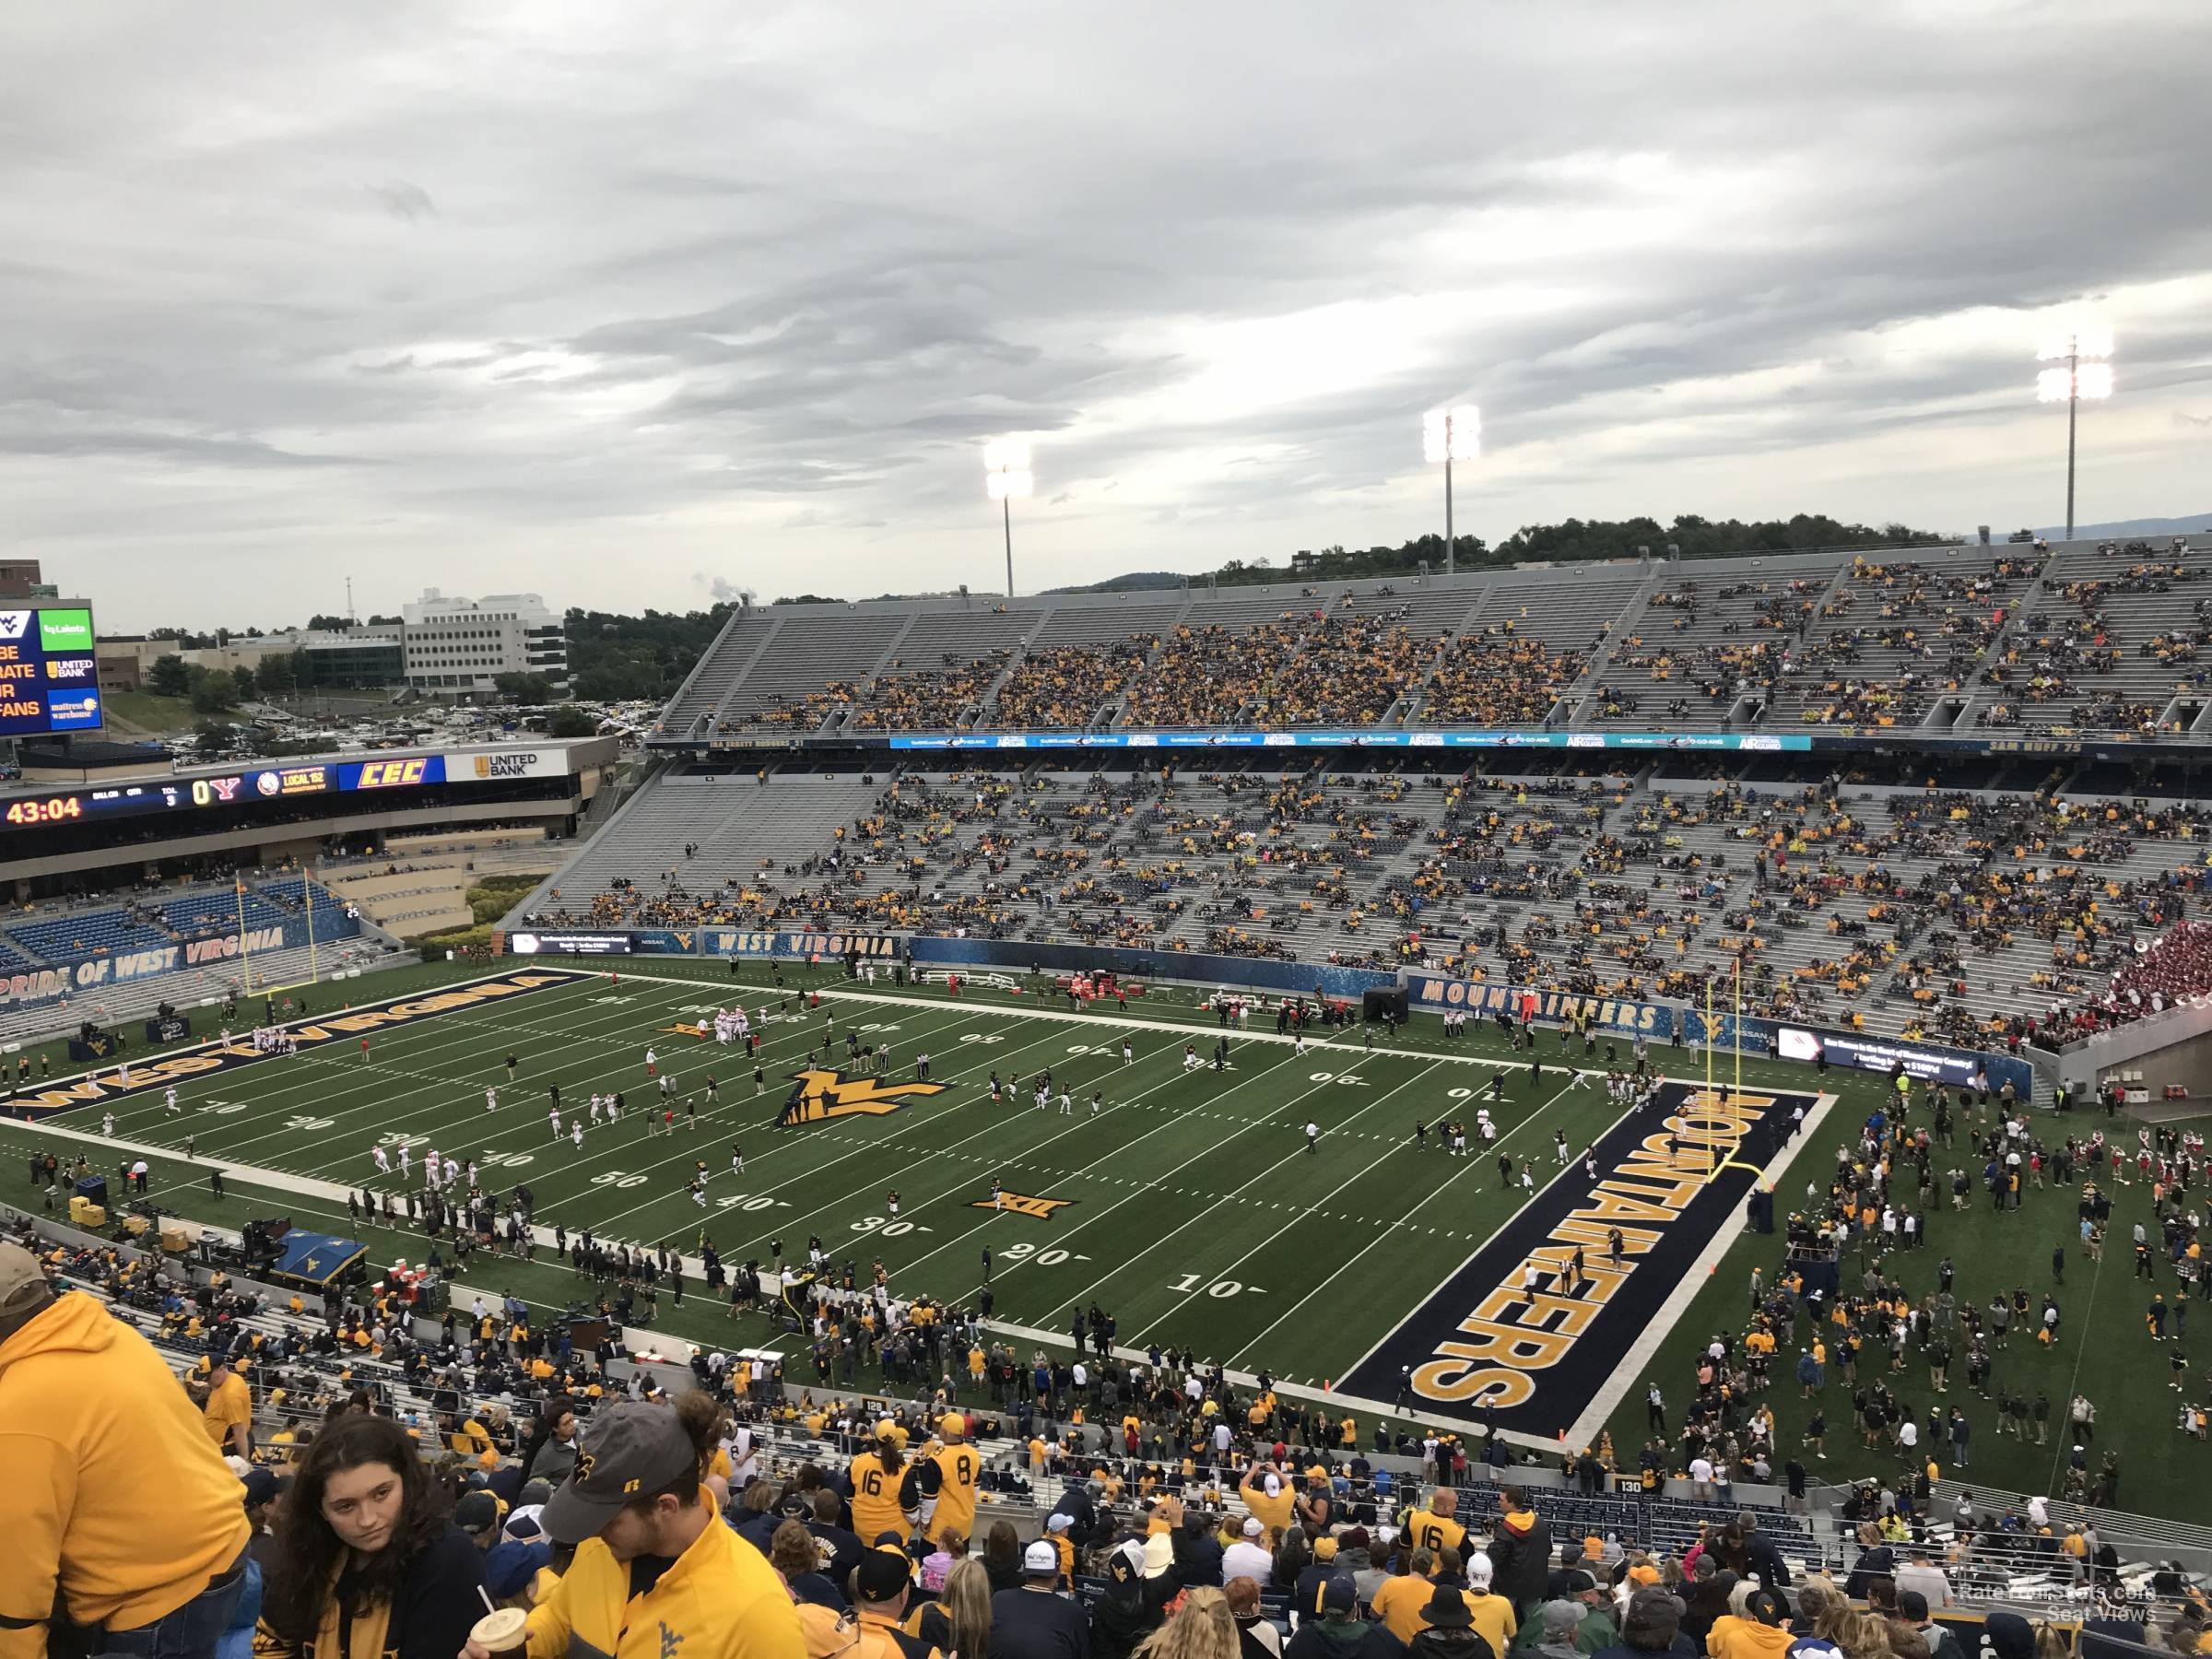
(1561, 1622)
(654, 1570)
(91, 1421)
(1333, 1629)
(1032, 1621)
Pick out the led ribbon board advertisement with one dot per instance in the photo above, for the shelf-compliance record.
(1364, 737)
(49, 677)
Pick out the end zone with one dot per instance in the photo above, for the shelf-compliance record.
(104, 1085)
(1553, 1361)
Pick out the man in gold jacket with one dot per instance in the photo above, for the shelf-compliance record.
(656, 1572)
(121, 1513)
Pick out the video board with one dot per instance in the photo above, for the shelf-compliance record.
(49, 675)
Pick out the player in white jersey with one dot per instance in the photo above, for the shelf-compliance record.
(123, 1074)
(383, 1164)
(594, 1111)
(106, 1125)
(576, 1136)
(491, 1100)
(1485, 1128)
(1299, 1046)
(169, 1101)
(405, 1174)
(653, 1063)
(471, 1174)
(553, 1116)
(452, 1172)
(429, 1170)
(1043, 1096)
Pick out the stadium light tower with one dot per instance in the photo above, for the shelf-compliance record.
(2085, 349)
(1007, 475)
(1449, 435)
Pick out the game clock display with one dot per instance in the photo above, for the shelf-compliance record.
(49, 677)
(52, 809)
(277, 783)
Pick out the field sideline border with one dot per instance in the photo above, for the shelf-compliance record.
(1198, 1027)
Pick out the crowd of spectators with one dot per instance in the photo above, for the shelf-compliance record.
(1961, 915)
(1868, 1372)
(1499, 677)
(897, 700)
(2174, 971)
(1176, 1515)
(1062, 687)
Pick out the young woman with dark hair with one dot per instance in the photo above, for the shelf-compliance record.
(366, 1561)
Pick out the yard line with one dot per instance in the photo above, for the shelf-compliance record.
(507, 1133)
(994, 1126)
(1461, 1167)
(896, 1138)
(1211, 1151)
(1090, 1169)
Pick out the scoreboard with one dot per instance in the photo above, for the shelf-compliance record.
(278, 780)
(49, 675)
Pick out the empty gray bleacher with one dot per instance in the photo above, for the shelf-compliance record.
(813, 646)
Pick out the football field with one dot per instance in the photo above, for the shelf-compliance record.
(1188, 1206)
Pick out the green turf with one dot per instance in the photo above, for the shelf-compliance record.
(1194, 1213)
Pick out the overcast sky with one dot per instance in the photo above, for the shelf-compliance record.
(631, 303)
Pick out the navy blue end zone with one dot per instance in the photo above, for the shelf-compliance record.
(1670, 1177)
(104, 1086)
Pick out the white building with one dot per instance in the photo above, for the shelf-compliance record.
(464, 645)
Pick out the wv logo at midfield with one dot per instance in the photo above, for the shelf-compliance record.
(818, 1093)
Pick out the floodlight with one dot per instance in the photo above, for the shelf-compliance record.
(1006, 480)
(2082, 346)
(1453, 434)
(1449, 435)
(2085, 340)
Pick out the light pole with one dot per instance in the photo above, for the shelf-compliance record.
(2083, 351)
(1449, 435)
(1007, 475)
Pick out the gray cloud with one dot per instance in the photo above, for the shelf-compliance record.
(713, 296)
(404, 201)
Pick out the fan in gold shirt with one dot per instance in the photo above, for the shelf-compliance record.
(950, 1473)
(886, 1490)
(1434, 1528)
